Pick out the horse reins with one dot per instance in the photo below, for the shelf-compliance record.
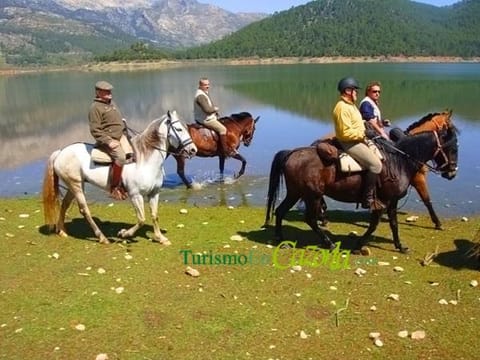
(439, 149)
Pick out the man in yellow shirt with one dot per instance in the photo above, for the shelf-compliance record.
(350, 132)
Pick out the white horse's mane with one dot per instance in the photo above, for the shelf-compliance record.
(148, 140)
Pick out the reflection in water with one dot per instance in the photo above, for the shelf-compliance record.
(43, 112)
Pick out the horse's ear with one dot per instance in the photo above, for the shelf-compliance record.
(168, 114)
(256, 119)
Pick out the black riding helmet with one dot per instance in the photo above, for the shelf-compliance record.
(347, 83)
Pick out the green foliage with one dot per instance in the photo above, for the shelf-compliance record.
(355, 28)
(137, 51)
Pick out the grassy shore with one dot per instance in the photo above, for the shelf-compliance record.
(167, 64)
(72, 298)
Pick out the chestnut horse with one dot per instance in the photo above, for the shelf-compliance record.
(240, 128)
(430, 122)
(307, 177)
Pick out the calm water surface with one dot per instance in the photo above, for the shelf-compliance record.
(42, 112)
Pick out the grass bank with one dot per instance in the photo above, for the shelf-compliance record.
(74, 299)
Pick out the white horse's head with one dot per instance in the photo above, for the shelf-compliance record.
(178, 137)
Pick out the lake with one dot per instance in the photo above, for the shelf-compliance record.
(42, 112)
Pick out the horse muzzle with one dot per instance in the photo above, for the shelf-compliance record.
(449, 175)
(189, 151)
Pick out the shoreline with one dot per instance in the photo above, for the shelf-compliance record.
(168, 64)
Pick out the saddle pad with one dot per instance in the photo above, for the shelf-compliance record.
(349, 164)
(100, 157)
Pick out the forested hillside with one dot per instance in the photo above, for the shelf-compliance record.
(355, 28)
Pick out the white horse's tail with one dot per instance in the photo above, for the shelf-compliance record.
(50, 193)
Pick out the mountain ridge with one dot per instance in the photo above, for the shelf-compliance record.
(31, 30)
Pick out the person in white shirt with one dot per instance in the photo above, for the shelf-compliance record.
(206, 113)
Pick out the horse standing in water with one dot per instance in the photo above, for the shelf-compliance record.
(74, 166)
(430, 122)
(309, 178)
(240, 128)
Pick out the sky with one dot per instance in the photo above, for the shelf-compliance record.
(270, 6)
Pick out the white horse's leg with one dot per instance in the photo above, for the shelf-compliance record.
(137, 201)
(153, 201)
(77, 190)
(67, 200)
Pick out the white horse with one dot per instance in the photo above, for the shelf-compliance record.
(73, 165)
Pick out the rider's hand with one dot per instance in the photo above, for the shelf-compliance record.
(114, 144)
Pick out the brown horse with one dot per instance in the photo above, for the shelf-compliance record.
(240, 128)
(309, 178)
(430, 122)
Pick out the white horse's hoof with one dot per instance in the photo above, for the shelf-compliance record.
(62, 233)
(103, 240)
(165, 242)
(122, 233)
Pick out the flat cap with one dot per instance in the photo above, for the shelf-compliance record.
(103, 85)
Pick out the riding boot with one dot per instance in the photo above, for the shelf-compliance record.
(368, 198)
(117, 191)
(227, 150)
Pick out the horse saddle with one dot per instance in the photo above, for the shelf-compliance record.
(100, 156)
(330, 151)
(204, 131)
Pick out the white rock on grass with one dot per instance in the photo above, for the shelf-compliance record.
(360, 272)
(374, 335)
(403, 333)
(23, 216)
(183, 211)
(236, 238)
(443, 302)
(192, 272)
(80, 327)
(383, 263)
(411, 219)
(102, 357)
(418, 335)
(395, 297)
(464, 219)
(474, 283)
(303, 335)
(297, 268)
(373, 308)
(378, 342)
(398, 269)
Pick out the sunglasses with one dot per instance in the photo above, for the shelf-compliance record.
(376, 91)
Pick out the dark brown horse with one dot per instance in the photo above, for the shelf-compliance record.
(430, 122)
(240, 128)
(309, 178)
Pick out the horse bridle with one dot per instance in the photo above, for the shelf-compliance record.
(182, 144)
(170, 123)
(245, 141)
(439, 149)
